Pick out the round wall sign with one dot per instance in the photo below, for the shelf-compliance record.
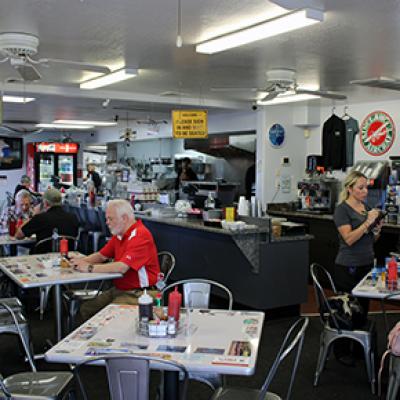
(276, 135)
(377, 133)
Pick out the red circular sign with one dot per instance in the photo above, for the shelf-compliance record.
(377, 133)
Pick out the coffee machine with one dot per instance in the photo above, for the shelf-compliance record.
(317, 194)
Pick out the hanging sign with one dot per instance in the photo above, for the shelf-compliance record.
(45, 147)
(276, 135)
(189, 124)
(377, 133)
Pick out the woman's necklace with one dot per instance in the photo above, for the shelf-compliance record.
(358, 207)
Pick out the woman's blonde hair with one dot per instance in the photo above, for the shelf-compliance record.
(349, 182)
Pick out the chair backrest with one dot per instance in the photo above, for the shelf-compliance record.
(167, 264)
(40, 246)
(102, 219)
(5, 306)
(318, 274)
(196, 292)
(129, 376)
(293, 342)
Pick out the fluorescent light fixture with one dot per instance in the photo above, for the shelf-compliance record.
(82, 122)
(288, 98)
(273, 27)
(108, 79)
(64, 126)
(17, 99)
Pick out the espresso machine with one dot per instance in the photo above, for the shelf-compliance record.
(317, 194)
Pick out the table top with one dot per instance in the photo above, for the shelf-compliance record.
(38, 270)
(367, 288)
(219, 341)
(5, 239)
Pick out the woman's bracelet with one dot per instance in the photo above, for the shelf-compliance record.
(366, 227)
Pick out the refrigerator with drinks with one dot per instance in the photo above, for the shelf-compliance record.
(47, 160)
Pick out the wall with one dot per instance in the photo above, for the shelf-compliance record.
(359, 112)
(269, 171)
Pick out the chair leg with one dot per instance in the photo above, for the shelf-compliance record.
(44, 297)
(323, 353)
(393, 386)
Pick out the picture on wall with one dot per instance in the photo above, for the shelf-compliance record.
(11, 153)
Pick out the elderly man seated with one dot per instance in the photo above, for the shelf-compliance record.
(134, 255)
(22, 210)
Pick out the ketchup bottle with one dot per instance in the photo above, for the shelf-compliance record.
(12, 224)
(64, 247)
(174, 304)
(392, 274)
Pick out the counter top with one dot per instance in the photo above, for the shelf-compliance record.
(303, 214)
(326, 217)
(198, 224)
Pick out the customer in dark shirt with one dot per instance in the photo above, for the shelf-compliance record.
(43, 224)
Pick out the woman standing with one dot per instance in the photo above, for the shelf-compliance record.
(353, 219)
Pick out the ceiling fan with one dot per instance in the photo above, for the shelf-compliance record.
(128, 136)
(20, 127)
(282, 81)
(151, 121)
(19, 48)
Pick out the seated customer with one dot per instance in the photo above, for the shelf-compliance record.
(22, 211)
(44, 223)
(25, 184)
(134, 254)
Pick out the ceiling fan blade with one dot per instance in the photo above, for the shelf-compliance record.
(322, 93)
(234, 89)
(28, 72)
(77, 65)
(269, 96)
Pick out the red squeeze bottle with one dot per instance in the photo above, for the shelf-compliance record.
(174, 304)
(64, 247)
(392, 272)
(12, 224)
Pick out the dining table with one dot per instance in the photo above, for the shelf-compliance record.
(35, 271)
(206, 341)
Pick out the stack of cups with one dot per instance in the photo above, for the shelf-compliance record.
(243, 206)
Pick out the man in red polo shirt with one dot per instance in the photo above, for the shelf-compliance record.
(134, 255)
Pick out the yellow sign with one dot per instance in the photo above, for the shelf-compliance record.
(189, 124)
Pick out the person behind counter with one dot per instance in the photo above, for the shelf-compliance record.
(353, 219)
(93, 176)
(134, 255)
(187, 173)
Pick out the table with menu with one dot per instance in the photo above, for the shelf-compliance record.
(44, 270)
(213, 341)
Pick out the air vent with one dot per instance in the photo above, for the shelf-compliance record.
(380, 82)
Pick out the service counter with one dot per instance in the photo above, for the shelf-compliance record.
(262, 272)
(325, 243)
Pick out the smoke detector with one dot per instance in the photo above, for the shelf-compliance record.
(18, 44)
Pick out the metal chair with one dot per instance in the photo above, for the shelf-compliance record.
(33, 385)
(129, 376)
(332, 331)
(167, 262)
(13, 321)
(55, 244)
(196, 294)
(294, 339)
(394, 378)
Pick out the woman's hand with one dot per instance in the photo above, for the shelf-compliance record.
(372, 216)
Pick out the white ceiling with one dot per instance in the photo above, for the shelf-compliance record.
(358, 39)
